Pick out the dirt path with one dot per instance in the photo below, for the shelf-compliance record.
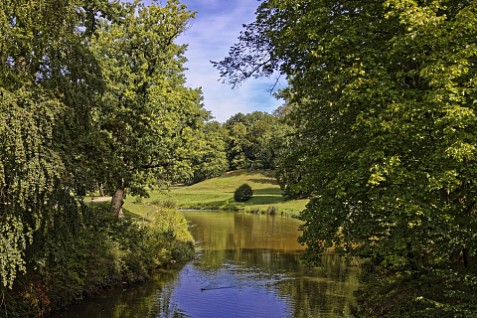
(98, 199)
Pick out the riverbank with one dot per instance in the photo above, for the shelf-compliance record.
(218, 194)
(98, 252)
(101, 253)
(248, 266)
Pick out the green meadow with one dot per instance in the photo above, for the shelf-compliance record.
(218, 194)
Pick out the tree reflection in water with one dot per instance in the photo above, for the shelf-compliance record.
(247, 266)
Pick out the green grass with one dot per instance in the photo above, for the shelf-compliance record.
(218, 194)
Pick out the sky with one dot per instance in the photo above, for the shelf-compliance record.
(213, 31)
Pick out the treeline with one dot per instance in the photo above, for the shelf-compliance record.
(382, 101)
(92, 94)
(254, 141)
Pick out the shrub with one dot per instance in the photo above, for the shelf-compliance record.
(243, 193)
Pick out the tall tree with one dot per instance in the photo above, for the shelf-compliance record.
(147, 115)
(237, 146)
(384, 118)
(251, 140)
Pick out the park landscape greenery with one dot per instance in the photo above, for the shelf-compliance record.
(382, 98)
(218, 194)
(93, 96)
(376, 137)
(83, 84)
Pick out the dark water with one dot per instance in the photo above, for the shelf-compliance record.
(247, 266)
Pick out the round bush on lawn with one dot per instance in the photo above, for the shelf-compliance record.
(243, 193)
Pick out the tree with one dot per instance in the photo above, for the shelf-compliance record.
(251, 140)
(260, 136)
(210, 158)
(237, 144)
(147, 116)
(243, 193)
(384, 122)
(40, 87)
(288, 170)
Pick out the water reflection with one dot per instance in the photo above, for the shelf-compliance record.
(248, 266)
(142, 300)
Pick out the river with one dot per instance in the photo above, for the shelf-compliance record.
(247, 265)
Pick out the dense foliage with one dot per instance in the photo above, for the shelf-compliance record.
(254, 140)
(99, 253)
(91, 92)
(210, 160)
(38, 88)
(148, 118)
(382, 98)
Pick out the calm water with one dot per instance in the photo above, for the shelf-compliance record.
(247, 266)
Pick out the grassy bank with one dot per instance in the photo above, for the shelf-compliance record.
(218, 194)
(95, 252)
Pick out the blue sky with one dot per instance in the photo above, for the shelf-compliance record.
(215, 28)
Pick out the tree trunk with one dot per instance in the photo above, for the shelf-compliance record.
(101, 189)
(117, 202)
(468, 260)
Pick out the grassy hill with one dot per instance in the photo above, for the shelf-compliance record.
(218, 194)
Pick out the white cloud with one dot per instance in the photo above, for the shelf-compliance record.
(215, 29)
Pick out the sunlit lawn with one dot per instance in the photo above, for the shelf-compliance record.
(218, 193)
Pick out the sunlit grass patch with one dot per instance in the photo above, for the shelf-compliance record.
(218, 194)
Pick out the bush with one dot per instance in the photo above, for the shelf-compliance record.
(243, 193)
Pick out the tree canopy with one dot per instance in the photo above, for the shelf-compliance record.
(91, 91)
(147, 116)
(253, 140)
(383, 97)
(41, 94)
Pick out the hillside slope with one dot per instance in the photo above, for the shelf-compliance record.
(218, 194)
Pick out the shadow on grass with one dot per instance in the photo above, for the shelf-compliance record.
(107, 206)
(269, 191)
(265, 199)
(134, 216)
(264, 181)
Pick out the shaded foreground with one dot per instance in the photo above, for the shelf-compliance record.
(104, 252)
